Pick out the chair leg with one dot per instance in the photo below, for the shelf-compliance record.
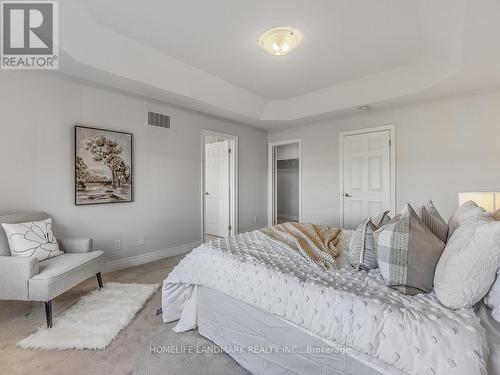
(99, 280)
(48, 313)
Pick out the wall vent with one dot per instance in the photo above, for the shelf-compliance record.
(157, 119)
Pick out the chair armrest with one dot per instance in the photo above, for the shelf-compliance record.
(14, 275)
(76, 245)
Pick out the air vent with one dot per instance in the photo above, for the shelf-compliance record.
(157, 119)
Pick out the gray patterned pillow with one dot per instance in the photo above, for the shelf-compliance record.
(381, 219)
(407, 253)
(362, 254)
(434, 221)
(362, 246)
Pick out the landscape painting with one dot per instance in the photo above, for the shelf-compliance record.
(103, 166)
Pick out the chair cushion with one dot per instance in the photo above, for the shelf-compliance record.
(64, 272)
(20, 217)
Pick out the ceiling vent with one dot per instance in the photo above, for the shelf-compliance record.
(157, 119)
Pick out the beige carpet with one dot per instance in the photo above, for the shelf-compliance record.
(128, 354)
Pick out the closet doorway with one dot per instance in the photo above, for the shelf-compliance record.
(285, 169)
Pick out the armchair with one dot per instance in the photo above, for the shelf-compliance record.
(27, 279)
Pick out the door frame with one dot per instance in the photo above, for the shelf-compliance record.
(271, 191)
(392, 136)
(233, 185)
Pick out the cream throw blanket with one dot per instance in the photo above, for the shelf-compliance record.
(316, 244)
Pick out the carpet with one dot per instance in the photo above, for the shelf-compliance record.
(95, 320)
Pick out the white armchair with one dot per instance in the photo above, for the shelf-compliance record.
(27, 279)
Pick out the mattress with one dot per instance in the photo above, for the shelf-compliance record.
(265, 344)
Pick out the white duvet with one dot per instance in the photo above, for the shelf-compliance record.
(415, 334)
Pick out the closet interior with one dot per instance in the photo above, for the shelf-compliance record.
(287, 182)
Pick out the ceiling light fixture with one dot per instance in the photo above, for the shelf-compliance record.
(279, 41)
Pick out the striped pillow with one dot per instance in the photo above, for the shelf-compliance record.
(434, 221)
(362, 253)
(362, 246)
(407, 253)
(382, 219)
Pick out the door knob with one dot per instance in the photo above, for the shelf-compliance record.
(347, 195)
(207, 193)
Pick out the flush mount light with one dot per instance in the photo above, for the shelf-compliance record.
(279, 41)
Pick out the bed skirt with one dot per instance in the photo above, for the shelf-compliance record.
(265, 344)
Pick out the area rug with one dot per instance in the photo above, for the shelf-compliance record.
(95, 320)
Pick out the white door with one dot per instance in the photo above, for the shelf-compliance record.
(217, 189)
(367, 176)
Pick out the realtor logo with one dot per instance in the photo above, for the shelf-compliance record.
(30, 35)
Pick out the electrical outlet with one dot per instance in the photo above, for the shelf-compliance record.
(140, 240)
(256, 219)
(118, 244)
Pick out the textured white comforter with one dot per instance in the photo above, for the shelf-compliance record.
(415, 334)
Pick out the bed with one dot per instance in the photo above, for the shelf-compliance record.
(289, 317)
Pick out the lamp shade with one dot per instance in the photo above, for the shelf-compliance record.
(490, 201)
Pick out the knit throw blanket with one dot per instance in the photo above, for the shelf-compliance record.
(316, 244)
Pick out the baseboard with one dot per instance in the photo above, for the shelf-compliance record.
(288, 217)
(137, 260)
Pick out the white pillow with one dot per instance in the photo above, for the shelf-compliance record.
(492, 300)
(469, 263)
(32, 239)
(467, 211)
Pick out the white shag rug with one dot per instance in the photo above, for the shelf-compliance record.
(95, 320)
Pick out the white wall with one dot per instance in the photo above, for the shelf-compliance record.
(37, 116)
(442, 147)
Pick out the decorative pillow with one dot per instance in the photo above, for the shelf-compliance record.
(468, 210)
(362, 253)
(492, 300)
(381, 219)
(32, 239)
(433, 220)
(407, 253)
(469, 264)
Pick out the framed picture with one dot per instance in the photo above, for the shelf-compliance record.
(103, 166)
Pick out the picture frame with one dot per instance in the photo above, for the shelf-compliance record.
(103, 166)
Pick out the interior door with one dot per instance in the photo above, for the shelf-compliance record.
(217, 189)
(367, 176)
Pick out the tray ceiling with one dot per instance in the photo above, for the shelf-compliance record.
(204, 54)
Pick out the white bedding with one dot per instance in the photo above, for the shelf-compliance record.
(415, 334)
